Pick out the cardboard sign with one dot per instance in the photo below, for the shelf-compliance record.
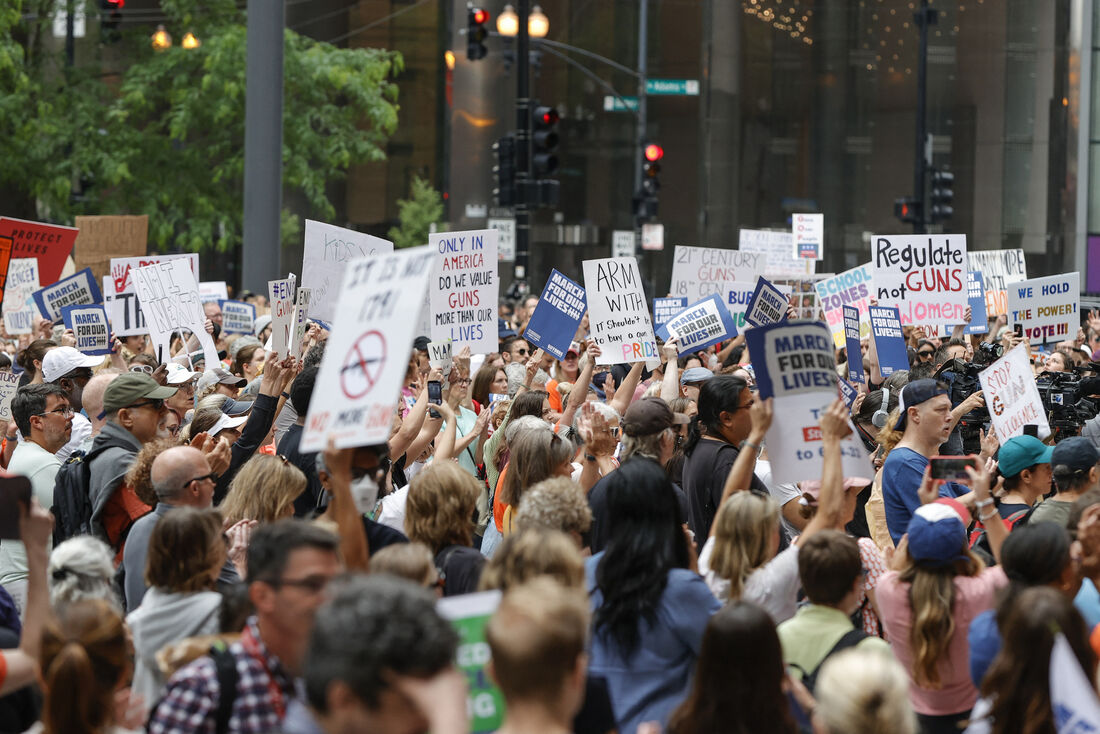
(19, 310)
(49, 244)
(1008, 386)
(851, 345)
(465, 290)
(809, 235)
(999, 269)
(700, 325)
(923, 275)
(9, 383)
(326, 253)
(850, 288)
(79, 289)
(238, 317)
(213, 291)
(101, 238)
(280, 296)
(889, 340)
(1049, 308)
(617, 314)
(122, 303)
(767, 305)
(91, 328)
(5, 262)
(470, 613)
(303, 301)
(557, 316)
(665, 308)
(794, 363)
(697, 272)
(169, 296)
(440, 356)
(777, 252)
(975, 293)
(367, 355)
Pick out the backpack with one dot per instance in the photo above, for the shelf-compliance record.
(72, 502)
(228, 677)
(979, 537)
(851, 638)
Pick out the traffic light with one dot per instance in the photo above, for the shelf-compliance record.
(645, 201)
(476, 33)
(545, 141)
(942, 196)
(504, 172)
(111, 15)
(907, 210)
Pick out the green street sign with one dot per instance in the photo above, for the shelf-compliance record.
(673, 87)
(615, 104)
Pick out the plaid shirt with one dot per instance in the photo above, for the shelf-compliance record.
(190, 702)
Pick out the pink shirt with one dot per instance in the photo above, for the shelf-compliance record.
(973, 595)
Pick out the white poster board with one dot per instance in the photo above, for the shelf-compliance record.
(20, 312)
(122, 304)
(170, 300)
(9, 383)
(280, 296)
(809, 235)
(698, 272)
(999, 269)
(923, 275)
(1048, 308)
(213, 290)
(1008, 386)
(776, 249)
(326, 252)
(617, 313)
(464, 289)
(302, 300)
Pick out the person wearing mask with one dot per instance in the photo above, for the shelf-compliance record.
(365, 477)
(1074, 465)
(70, 370)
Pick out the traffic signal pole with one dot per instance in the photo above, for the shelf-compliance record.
(924, 17)
(523, 143)
(640, 135)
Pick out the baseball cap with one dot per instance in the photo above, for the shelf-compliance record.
(420, 343)
(574, 348)
(226, 421)
(1074, 454)
(695, 374)
(61, 361)
(261, 323)
(131, 387)
(915, 393)
(937, 535)
(234, 407)
(504, 331)
(1020, 452)
(178, 374)
(219, 376)
(650, 415)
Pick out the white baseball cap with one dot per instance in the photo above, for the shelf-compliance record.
(61, 361)
(179, 375)
(224, 422)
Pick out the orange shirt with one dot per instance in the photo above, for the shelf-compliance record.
(119, 514)
(498, 506)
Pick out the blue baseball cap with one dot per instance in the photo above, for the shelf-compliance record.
(915, 393)
(504, 331)
(1020, 452)
(1074, 454)
(693, 375)
(937, 535)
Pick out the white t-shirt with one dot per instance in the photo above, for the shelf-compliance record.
(774, 586)
(391, 510)
(781, 493)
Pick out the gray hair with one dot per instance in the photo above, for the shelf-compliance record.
(522, 425)
(82, 568)
(648, 446)
(517, 375)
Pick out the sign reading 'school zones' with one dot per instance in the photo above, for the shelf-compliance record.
(617, 313)
(850, 288)
(91, 328)
(698, 272)
(465, 290)
(79, 289)
(923, 275)
(1048, 308)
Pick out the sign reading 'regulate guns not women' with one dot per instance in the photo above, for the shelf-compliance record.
(923, 275)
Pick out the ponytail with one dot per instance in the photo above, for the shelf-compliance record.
(694, 434)
(75, 704)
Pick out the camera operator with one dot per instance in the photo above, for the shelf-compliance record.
(968, 412)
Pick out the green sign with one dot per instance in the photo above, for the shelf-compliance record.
(674, 87)
(615, 104)
(470, 614)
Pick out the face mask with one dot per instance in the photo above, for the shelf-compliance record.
(364, 491)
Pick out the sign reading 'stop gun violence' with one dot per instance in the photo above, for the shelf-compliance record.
(923, 275)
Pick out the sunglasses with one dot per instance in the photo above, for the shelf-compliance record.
(924, 354)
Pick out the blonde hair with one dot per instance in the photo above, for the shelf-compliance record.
(532, 553)
(263, 490)
(440, 505)
(412, 561)
(556, 504)
(865, 691)
(887, 437)
(534, 455)
(743, 531)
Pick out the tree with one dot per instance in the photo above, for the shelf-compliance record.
(416, 215)
(166, 136)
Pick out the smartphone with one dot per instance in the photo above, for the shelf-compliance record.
(1019, 330)
(952, 468)
(435, 392)
(15, 493)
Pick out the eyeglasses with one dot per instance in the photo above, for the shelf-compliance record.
(212, 477)
(65, 411)
(141, 368)
(463, 381)
(154, 404)
(311, 584)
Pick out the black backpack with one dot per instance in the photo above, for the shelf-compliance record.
(72, 502)
(851, 638)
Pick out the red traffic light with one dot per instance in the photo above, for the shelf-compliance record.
(549, 116)
(117, 4)
(654, 152)
(481, 16)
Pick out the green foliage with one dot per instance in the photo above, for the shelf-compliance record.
(165, 137)
(416, 215)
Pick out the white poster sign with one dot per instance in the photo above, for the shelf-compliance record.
(280, 296)
(123, 307)
(19, 309)
(325, 256)
(622, 243)
(213, 290)
(506, 245)
(617, 313)
(169, 296)
(776, 249)
(302, 300)
(698, 272)
(809, 235)
(367, 355)
(923, 275)
(1008, 386)
(465, 290)
(439, 355)
(1049, 308)
(999, 269)
(9, 383)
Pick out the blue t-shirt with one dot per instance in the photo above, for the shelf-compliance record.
(901, 477)
(985, 643)
(656, 678)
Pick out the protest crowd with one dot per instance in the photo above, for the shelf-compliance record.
(574, 513)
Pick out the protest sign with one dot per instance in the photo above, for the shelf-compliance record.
(18, 304)
(698, 272)
(213, 291)
(809, 235)
(280, 296)
(850, 288)
(923, 275)
(101, 238)
(464, 289)
(700, 325)
(557, 316)
(1008, 386)
(851, 345)
(5, 261)
(767, 304)
(737, 301)
(1048, 308)
(999, 269)
(169, 296)
(847, 391)
(238, 317)
(440, 356)
(303, 300)
(617, 314)
(48, 244)
(9, 383)
(665, 308)
(325, 256)
(91, 328)
(79, 289)
(122, 304)
(776, 249)
(794, 363)
(889, 340)
(975, 293)
(367, 355)
(470, 614)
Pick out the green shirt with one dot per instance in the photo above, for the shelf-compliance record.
(812, 632)
(1052, 510)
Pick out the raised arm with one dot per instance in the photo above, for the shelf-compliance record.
(414, 421)
(35, 528)
(580, 388)
(670, 384)
(625, 392)
(989, 515)
(834, 427)
(740, 476)
(342, 511)
(445, 441)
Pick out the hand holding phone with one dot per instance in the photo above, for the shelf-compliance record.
(15, 497)
(952, 468)
(435, 392)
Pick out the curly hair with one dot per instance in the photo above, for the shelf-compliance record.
(557, 504)
(139, 476)
(440, 506)
(532, 553)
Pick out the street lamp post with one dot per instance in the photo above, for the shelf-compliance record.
(523, 143)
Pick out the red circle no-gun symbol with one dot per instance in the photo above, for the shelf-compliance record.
(363, 365)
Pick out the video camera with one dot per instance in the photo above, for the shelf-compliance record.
(962, 380)
(1066, 400)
